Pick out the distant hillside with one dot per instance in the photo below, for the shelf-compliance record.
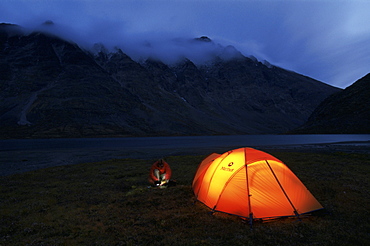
(347, 111)
(50, 87)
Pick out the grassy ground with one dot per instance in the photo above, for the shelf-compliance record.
(109, 203)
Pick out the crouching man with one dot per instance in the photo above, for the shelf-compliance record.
(160, 173)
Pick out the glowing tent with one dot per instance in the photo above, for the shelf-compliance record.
(252, 184)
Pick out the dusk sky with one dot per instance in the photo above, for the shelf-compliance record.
(328, 40)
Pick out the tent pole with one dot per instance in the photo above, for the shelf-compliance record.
(249, 195)
(281, 187)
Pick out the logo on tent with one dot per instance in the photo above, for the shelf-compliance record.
(227, 169)
(230, 164)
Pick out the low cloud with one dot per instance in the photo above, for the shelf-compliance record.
(140, 47)
(326, 40)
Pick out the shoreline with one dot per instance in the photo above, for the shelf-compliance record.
(19, 161)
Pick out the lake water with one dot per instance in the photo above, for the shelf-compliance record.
(19, 155)
(177, 142)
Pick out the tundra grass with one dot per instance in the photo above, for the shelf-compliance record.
(109, 203)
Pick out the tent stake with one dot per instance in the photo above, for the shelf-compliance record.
(251, 220)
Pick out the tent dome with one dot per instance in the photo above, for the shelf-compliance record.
(252, 184)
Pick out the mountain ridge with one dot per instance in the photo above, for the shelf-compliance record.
(51, 87)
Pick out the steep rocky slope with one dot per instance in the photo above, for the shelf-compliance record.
(50, 87)
(347, 111)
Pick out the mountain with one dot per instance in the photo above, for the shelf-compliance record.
(344, 112)
(50, 87)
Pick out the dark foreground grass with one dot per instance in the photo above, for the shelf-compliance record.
(109, 203)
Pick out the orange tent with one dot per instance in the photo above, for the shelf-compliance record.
(252, 184)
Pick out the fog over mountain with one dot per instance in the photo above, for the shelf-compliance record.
(158, 46)
(325, 40)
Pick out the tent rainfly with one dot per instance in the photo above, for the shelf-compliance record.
(251, 184)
